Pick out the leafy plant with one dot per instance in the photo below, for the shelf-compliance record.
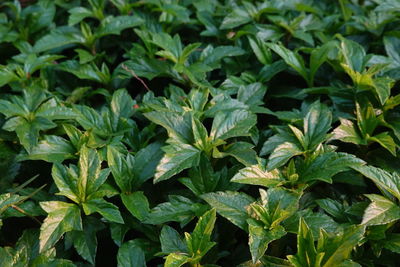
(199, 133)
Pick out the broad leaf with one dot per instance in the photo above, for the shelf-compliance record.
(231, 205)
(380, 211)
(62, 217)
(129, 254)
(171, 241)
(106, 209)
(257, 175)
(384, 179)
(176, 161)
(233, 124)
(137, 204)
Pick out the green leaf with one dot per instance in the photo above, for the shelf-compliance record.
(85, 242)
(315, 221)
(200, 134)
(242, 151)
(392, 47)
(62, 217)
(348, 132)
(236, 18)
(129, 254)
(114, 25)
(387, 181)
(231, 205)
(259, 238)
(333, 208)
(171, 241)
(383, 86)
(278, 204)
(307, 254)
(257, 175)
(252, 94)
(380, 211)
(386, 141)
(178, 209)
(281, 154)
(52, 149)
(28, 135)
(6, 75)
(392, 243)
(198, 242)
(118, 232)
(337, 248)
(59, 37)
(317, 123)
(318, 57)
(366, 118)
(91, 176)
(77, 14)
(291, 58)
(121, 105)
(270, 261)
(176, 161)
(88, 71)
(261, 50)
(179, 127)
(106, 209)
(146, 161)
(233, 124)
(66, 181)
(353, 54)
(176, 260)
(137, 204)
(333, 162)
(122, 169)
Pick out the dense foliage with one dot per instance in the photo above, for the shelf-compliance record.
(200, 133)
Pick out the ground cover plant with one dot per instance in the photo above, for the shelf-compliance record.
(199, 133)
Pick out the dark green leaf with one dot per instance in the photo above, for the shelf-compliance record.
(231, 205)
(129, 254)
